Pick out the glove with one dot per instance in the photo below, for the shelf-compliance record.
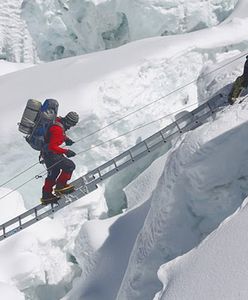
(70, 153)
(69, 142)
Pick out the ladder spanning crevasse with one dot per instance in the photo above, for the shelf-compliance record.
(88, 183)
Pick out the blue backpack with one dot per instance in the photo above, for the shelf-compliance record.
(36, 119)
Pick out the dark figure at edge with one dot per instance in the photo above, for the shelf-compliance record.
(240, 83)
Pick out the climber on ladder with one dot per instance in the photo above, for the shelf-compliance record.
(45, 132)
(59, 167)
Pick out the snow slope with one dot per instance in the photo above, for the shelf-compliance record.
(220, 262)
(204, 181)
(186, 187)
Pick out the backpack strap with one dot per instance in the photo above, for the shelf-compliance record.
(58, 124)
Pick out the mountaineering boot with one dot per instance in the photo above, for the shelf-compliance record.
(61, 186)
(48, 198)
(63, 189)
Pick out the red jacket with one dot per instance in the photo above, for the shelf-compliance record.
(56, 137)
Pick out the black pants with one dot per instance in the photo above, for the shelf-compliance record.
(56, 163)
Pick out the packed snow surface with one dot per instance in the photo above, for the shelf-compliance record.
(220, 262)
(167, 210)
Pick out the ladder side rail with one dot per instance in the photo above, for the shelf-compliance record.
(24, 215)
(29, 223)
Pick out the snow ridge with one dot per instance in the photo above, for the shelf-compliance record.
(192, 198)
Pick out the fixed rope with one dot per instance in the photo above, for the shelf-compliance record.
(42, 173)
(126, 116)
(89, 182)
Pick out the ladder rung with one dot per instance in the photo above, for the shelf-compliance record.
(212, 111)
(162, 136)
(116, 167)
(36, 214)
(179, 129)
(20, 222)
(131, 155)
(4, 231)
(99, 172)
(147, 146)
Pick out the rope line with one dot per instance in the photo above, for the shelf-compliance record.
(17, 175)
(162, 97)
(129, 114)
(117, 137)
(98, 145)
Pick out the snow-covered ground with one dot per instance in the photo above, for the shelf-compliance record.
(219, 264)
(171, 207)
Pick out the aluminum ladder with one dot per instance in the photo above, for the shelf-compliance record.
(89, 182)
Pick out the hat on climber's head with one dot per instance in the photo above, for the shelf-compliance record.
(71, 119)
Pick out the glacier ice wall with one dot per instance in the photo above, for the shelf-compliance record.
(33, 30)
(63, 28)
(16, 43)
